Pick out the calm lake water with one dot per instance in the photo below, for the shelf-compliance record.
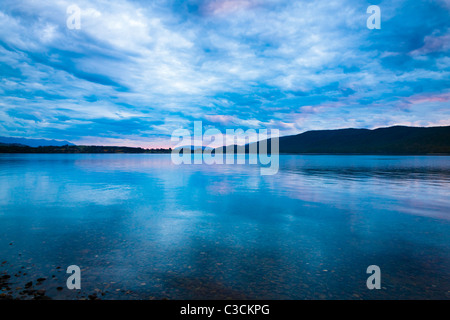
(140, 227)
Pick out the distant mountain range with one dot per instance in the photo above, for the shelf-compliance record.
(23, 145)
(33, 142)
(392, 140)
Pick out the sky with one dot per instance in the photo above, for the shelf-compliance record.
(136, 71)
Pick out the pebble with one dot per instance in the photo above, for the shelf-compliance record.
(93, 296)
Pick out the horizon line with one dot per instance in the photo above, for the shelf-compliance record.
(170, 147)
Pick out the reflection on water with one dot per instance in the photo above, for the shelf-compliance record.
(140, 227)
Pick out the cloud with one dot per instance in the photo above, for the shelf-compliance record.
(137, 70)
(433, 44)
(218, 7)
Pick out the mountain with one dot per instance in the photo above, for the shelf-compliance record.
(392, 140)
(12, 145)
(33, 142)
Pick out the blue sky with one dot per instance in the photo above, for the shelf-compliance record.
(138, 70)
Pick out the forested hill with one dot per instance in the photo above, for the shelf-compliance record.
(392, 140)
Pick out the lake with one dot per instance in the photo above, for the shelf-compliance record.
(140, 227)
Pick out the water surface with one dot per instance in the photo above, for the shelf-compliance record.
(142, 228)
